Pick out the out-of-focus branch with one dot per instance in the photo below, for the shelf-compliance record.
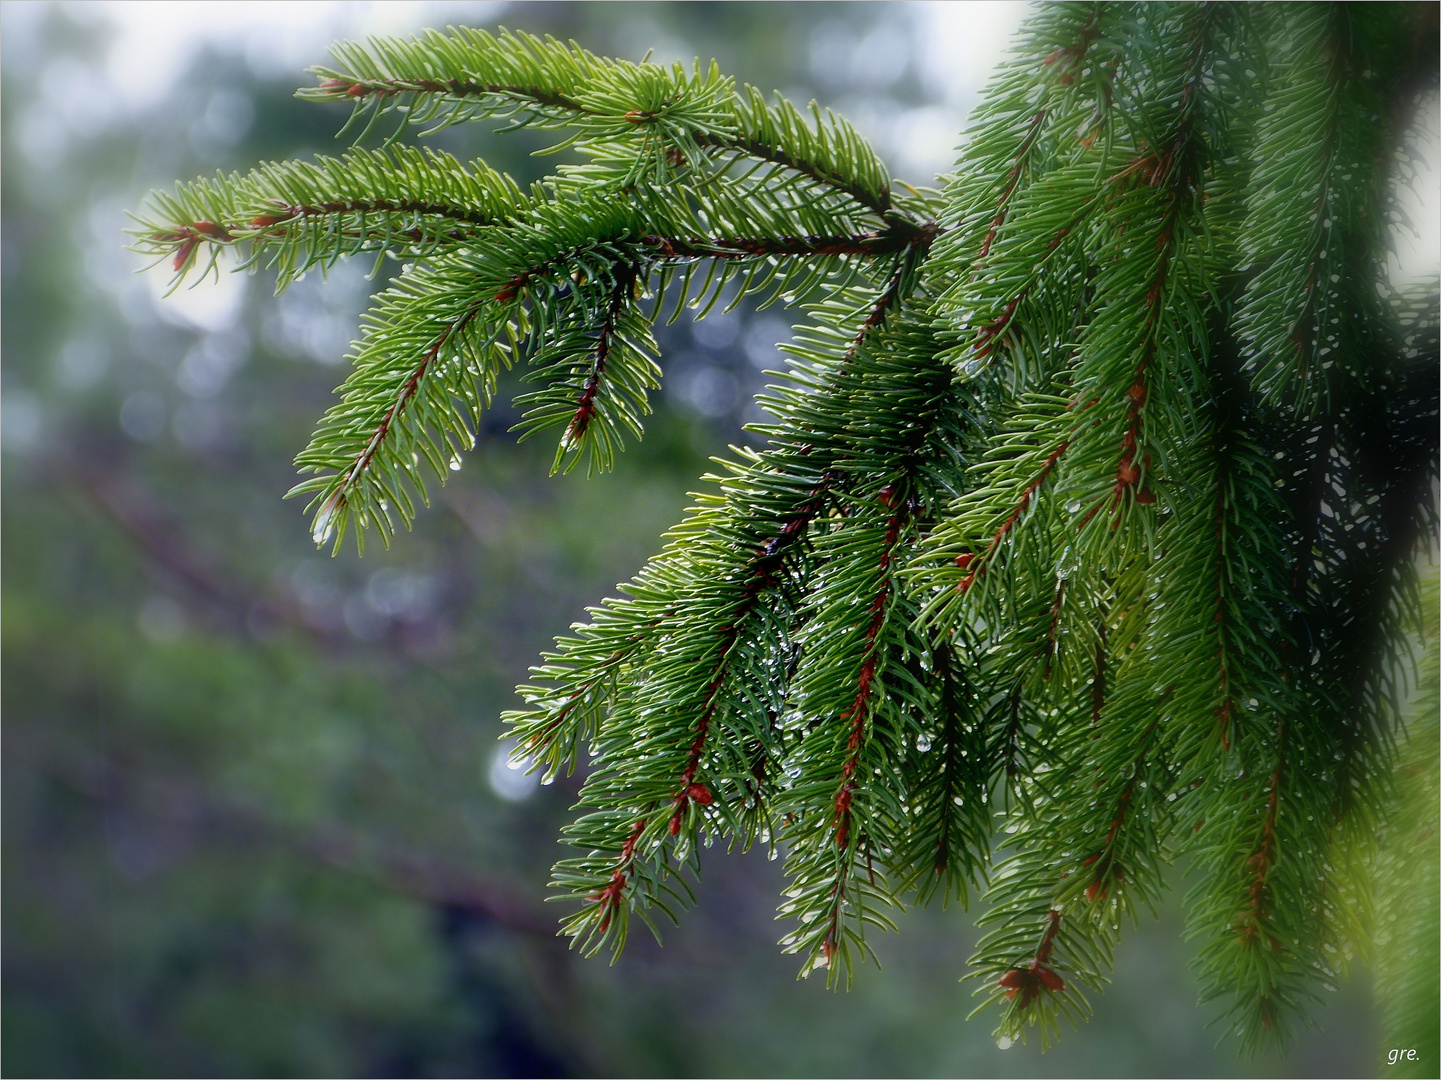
(408, 871)
(130, 508)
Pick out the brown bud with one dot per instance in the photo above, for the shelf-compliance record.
(700, 793)
(1050, 980)
(182, 254)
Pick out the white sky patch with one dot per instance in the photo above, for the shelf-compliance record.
(204, 302)
(958, 48)
(959, 44)
(154, 41)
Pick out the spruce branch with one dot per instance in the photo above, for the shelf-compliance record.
(1084, 531)
(292, 216)
(443, 79)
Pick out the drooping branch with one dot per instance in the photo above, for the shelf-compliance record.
(1105, 870)
(335, 502)
(761, 575)
(585, 406)
(1175, 170)
(609, 898)
(976, 565)
(1024, 984)
(1066, 61)
(858, 716)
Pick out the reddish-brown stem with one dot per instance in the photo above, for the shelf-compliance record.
(1028, 982)
(1033, 131)
(768, 558)
(690, 791)
(990, 333)
(878, 203)
(194, 233)
(1260, 863)
(763, 570)
(1067, 60)
(1105, 870)
(859, 710)
(188, 237)
(1098, 680)
(585, 406)
(1174, 169)
(978, 565)
(890, 295)
(880, 242)
(1128, 473)
(286, 214)
(407, 391)
(609, 898)
(858, 714)
(1048, 939)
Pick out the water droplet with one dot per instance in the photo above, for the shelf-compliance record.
(1005, 1042)
(923, 743)
(455, 463)
(324, 526)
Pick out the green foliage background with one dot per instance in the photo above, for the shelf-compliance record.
(247, 823)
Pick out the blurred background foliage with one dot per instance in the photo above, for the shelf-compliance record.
(256, 821)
